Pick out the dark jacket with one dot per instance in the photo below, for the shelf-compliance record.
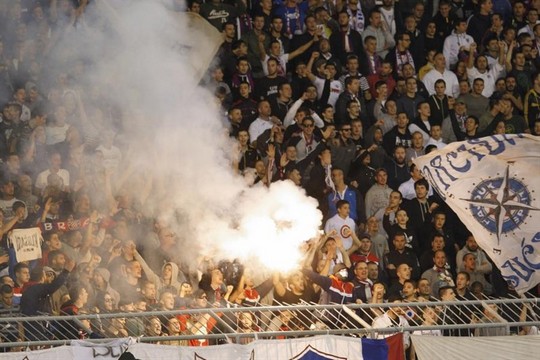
(34, 295)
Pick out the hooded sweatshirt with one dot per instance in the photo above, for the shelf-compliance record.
(158, 280)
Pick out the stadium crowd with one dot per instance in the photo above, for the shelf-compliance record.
(336, 96)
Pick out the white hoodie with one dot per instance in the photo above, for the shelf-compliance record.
(452, 44)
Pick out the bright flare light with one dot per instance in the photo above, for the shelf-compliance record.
(275, 223)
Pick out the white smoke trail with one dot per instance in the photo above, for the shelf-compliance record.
(179, 141)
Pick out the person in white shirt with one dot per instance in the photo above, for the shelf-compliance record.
(436, 136)
(342, 224)
(407, 188)
(330, 72)
(440, 72)
(389, 16)
(458, 41)
(264, 122)
(55, 162)
(479, 69)
(392, 318)
(276, 52)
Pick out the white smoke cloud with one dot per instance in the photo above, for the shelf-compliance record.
(177, 139)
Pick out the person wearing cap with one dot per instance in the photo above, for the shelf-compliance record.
(362, 250)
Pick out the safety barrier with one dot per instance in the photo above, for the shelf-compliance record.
(197, 327)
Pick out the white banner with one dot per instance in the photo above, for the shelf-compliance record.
(492, 184)
(471, 348)
(317, 348)
(324, 347)
(26, 243)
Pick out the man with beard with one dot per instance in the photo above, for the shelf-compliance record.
(439, 275)
(513, 94)
(396, 168)
(471, 247)
(347, 41)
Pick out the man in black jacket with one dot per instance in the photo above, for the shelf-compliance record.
(34, 295)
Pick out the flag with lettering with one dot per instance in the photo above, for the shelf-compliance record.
(26, 243)
(492, 184)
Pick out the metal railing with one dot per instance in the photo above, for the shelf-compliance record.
(197, 327)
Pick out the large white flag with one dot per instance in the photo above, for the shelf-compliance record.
(493, 185)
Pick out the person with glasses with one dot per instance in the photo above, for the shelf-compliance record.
(307, 140)
(400, 55)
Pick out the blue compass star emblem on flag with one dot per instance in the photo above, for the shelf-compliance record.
(501, 204)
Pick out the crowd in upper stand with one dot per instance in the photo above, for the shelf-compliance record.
(337, 97)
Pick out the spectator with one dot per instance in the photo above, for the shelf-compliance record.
(480, 22)
(440, 72)
(398, 135)
(471, 247)
(378, 29)
(458, 44)
(439, 276)
(378, 195)
(348, 40)
(396, 168)
(393, 315)
(401, 255)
